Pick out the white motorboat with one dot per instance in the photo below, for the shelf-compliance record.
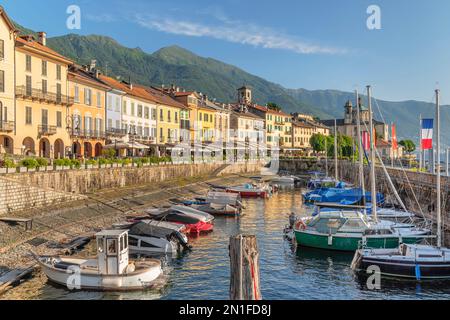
(182, 210)
(110, 271)
(155, 237)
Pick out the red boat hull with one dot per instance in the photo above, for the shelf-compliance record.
(250, 194)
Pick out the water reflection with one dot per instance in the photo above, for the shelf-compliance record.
(287, 272)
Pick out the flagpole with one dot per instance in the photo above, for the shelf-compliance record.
(421, 155)
(438, 175)
(335, 151)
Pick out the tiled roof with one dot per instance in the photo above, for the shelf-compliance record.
(267, 110)
(78, 73)
(162, 98)
(136, 91)
(30, 42)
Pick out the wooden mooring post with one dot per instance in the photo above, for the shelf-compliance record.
(244, 268)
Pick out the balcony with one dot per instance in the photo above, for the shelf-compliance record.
(115, 132)
(48, 97)
(46, 130)
(144, 139)
(280, 123)
(161, 139)
(6, 126)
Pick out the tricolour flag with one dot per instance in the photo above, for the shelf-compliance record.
(427, 134)
(366, 140)
(394, 138)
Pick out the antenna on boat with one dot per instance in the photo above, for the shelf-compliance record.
(326, 157)
(360, 149)
(438, 168)
(372, 157)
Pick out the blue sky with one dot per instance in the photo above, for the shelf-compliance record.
(319, 44)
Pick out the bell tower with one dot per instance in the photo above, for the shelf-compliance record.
(348, 119)
(244, 95)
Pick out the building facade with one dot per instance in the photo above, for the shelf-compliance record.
(42, 98)
(8, 127)
(88, 112)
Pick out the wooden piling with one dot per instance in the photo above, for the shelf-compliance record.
(244, 268)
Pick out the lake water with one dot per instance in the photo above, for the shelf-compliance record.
(286, 273)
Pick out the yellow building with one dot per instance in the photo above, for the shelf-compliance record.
(42, 98)
(8, 143)
(87, 115)
(201, 116)
(169, 113)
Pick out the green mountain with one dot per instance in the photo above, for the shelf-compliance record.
(220, 80)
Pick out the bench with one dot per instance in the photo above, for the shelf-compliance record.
(28, 222)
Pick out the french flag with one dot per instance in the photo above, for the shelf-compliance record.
(427, 134)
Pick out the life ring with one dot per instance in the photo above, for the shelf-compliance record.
(300, 225)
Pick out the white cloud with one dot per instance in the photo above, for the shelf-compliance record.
(236, 32)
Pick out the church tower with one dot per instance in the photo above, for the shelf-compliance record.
(245, 95)
(348, 119)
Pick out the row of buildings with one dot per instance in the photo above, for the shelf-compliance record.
(52, 107)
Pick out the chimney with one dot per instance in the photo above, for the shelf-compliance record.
(93, 65)
(131, 84)
(42, 38)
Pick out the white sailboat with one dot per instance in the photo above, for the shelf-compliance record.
(419, 262)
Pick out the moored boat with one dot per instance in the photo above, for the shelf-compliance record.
(251, 190)
(110, 271)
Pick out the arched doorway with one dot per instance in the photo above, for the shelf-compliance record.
(76, 149)
(98, 149)
(59, 149)
(6, 145)
(87, 150)
(44, 148)
(28, 148)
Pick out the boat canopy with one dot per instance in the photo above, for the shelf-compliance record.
(145, 229)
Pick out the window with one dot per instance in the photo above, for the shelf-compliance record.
(117, 124)
(58, 92)
(161, 115)
(176, 117)
(147, 131)
(44, 86)
(132, 109)
(109, 100)
(2, 49)
(28, 86)
(153, 114)
(87, 96)
(147, 113)
(112, 246)
(58, 72)
(110, 123)
(59, 119)
(169, 118)
(44, 117)
(28, 119)
(139, 110)
(28, 63)
(2, 81)
(44, 68)
(117, 104)
(77, 94)
(99, 100)
(200, 116)
(124, 107)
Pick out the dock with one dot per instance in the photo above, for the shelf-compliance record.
(15, 276)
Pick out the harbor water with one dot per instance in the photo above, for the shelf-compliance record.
(286, 272)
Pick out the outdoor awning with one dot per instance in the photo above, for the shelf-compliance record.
(126, 145)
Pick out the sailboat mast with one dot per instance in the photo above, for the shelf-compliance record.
(335, 151)
(361, 151)
(372, 158)
(438, 168)
(326, 156)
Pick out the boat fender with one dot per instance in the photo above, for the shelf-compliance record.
(330, 240)
(300, 225)
(130, 268)
(418, 273)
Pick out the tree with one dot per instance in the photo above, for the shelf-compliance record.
(409, 146)
(273, 106)
(317, 142)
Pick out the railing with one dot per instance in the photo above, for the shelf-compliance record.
(116, 132)
(144, 139)
(46, 130)
(280, 123)
(27, 92)
(6, 126)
